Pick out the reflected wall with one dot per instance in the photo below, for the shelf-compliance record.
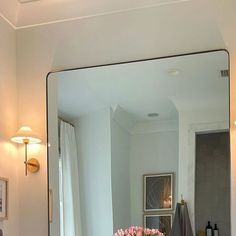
(189, 95)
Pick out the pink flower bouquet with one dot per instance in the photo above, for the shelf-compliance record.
(138, 231)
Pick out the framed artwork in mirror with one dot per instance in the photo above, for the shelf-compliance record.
(158, 192)
(163, 222)
(3, 198)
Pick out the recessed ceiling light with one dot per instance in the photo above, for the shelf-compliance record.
(153, 115)
(173, 72)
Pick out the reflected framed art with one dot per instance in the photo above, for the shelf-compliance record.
(163, 222)
(158, 192)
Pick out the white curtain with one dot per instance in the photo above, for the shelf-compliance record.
(70, 181)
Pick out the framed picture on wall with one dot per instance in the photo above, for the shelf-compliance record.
(163, 222)
(158, 192)
(3, 198)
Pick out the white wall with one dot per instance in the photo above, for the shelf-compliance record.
(120, 37)
(151, 153)
(137, 149)
(105, 141)
(9, 161)
(226, 18)
(120, 169)
(94, 159)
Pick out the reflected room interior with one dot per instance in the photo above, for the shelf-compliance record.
(129, 141)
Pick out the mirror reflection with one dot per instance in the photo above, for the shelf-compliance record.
(138, 144)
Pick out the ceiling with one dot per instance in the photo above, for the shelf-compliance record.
(23, 13)
(147, 87)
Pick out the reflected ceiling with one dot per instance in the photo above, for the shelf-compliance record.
(163, 86)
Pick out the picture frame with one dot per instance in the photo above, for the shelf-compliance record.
(158, 192)
(3, 198)
(162, 222)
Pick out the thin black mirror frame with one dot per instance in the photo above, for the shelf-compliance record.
(120, 63)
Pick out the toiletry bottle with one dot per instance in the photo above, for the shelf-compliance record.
(216, 230)
(209, 230)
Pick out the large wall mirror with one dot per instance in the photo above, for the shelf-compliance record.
(128, 141)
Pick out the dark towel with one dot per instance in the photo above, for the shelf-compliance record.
(181, 225)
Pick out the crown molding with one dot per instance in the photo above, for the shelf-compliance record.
(170, 2)
(8, 21)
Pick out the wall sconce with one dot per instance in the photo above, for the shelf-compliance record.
(26, 136)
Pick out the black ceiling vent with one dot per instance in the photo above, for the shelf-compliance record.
(224, 73)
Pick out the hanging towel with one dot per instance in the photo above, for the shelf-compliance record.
(181, 225)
